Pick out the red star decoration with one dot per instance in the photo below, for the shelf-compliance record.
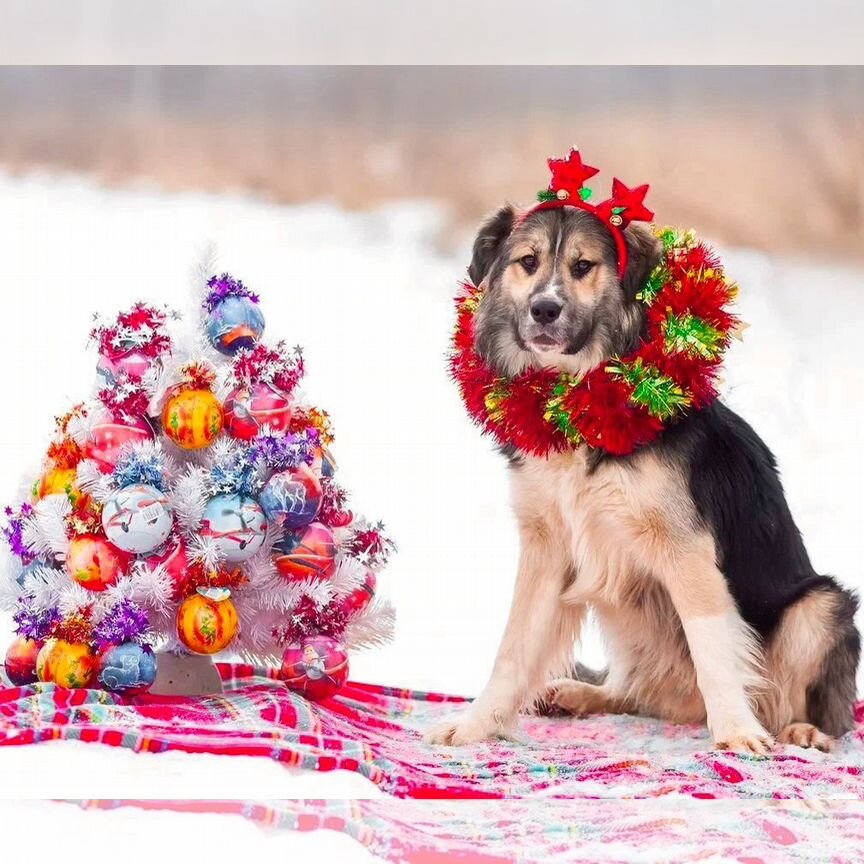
(569, 173)
(632, 200)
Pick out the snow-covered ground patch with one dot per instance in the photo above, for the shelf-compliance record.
(368, 296)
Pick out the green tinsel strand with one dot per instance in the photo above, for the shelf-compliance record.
(557, 415)
(692, 335)
(545, 195)
(657, 392)
(654, 284)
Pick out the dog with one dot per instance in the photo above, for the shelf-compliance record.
(685, 550)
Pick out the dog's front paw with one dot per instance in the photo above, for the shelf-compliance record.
(467, 728)
(750, 738)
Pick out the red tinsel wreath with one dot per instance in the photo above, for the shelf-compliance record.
(626, 402)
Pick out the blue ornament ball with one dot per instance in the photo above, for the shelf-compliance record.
(128, 668)
(235, 323)
(292, 499)
(236, 525)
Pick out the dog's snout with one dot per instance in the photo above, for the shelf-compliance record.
(545, 310)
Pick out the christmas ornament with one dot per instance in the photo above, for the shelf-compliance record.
(174, 557)
(57, 481)
(316, 667)
(130, 345)
(192, 418)
(128, 668)
(308, 553)
(137, 518)
(625, 402)
(357, 600)
(207, 621)
(236, 525)
(108, 439)
(323, 464)
(234, 319)
(249, 409)
(21, 661)
(292, 498)
(94, 563)
(68, 664)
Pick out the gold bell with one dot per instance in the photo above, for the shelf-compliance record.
(562, 194)
(615, 219)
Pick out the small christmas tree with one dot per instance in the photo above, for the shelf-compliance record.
(190, 506)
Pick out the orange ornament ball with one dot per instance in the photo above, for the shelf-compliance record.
(207, 623)
(192, 419)
(55, 481)
(94, 563)
(68, 664)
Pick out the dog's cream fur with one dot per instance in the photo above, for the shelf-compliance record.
(624, 540)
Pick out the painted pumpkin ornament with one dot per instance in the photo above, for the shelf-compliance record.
(94, 563)
(128, 668)
(20, 663)
(234, 319)
(236, 525)
(137, 518)
(292, 498)
(69, 664)
(315, 667)
(625, 402)
(192, 417)
(308, 553)
(207, 621)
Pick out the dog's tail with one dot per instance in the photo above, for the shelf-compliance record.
(578, 672)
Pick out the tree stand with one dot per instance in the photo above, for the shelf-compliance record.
(186, 675)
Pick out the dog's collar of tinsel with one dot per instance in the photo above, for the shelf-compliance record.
(623, 403)
(567, 189)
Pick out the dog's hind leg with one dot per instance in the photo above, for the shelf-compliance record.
(538, 641)
(811, 660)
(582, 698)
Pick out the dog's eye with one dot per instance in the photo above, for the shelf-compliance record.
(580, 268)
(529, 263)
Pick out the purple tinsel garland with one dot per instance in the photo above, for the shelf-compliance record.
(14, 531)
(126, 621)
(225, 286)
(288, 451)
(33, 624)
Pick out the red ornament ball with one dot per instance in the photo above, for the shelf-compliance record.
(21, 661)
(107, 439)
(354, 603)
(315, 667)
(175, 559)
(309, 553)
(249, 409)
(94, 563)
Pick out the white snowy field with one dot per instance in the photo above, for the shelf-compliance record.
(368, 296)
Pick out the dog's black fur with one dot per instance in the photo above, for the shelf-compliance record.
(731, 474)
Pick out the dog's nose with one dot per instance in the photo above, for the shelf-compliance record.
(545, 310)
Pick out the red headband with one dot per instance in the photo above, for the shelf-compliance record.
(616, 213)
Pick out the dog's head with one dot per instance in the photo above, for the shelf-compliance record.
(552, 295)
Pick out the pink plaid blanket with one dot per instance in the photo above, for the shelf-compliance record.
(501, 832)
(376, 731)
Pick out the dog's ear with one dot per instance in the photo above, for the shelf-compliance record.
(493, 232)
(643, 255)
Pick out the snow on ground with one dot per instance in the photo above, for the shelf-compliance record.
(368, 296)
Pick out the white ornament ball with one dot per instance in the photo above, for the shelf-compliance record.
(236, 525)
(137, 518)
